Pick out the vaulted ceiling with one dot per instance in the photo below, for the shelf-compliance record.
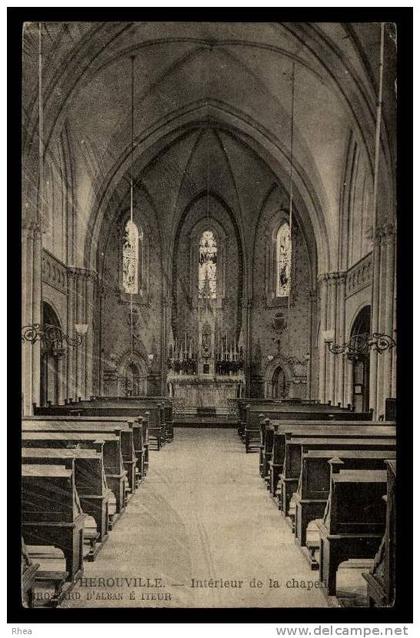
(212, 107)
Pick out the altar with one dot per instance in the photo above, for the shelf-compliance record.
(205, 391)
(206, 363)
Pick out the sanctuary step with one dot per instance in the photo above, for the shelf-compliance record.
(188, 421)
(204, 416)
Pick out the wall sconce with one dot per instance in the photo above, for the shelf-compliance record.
(360, 345)
(53, 336)
(270, 357)
(151, 356)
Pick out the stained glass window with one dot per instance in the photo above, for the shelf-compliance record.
(131, 258)
(207, 265)
(283, 260)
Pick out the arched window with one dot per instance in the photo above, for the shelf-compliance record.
(283, 260)
(207, 265)
(131, 258)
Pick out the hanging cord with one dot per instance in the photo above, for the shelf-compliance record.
(41, 129)
(292, 127)
(208, 154)
(132, 192)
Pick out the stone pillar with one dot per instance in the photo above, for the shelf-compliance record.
(248, 346)
(331, 358)
(394, 330)
(27, 292)
(388, 311)
(60, 374)
(373, 364)
(91, 278)
(381, 324)
(36, 312)
(340, 335)
(31, 313)
(323, 327)
(311, 376)
(71, 362)
(348, 390)
(164, 344)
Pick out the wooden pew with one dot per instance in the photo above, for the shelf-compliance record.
(137, 424)
(151, 413)
(52, 514)
(263, 402)
(241, 407)
(381, 579)
(271, 463)
(109, 445)
(359, 438)
(255, 414)
(353, 522)
(92, 425)
(90, 480)
(143, 401)
(314, 482)
(28, 577)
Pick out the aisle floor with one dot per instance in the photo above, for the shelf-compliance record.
(202, 514)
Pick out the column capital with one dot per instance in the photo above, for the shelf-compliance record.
(385, 232)
(333, 277)
(32, 228)
(79, 273)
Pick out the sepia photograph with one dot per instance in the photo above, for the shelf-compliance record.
(209, 391)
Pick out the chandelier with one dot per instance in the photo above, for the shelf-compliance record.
(52, 336)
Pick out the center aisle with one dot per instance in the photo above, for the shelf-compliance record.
(203, 513)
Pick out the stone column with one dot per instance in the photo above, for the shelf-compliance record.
(394, 329)
(321, 345)
(248, 346)
(91, 278)
(330, 326)
(388, 310)
(71, 362)
(376, 277)
(36, 311)
(340, 336)
(348, 373)
(311, 363)
(381, 322)
(60, 374)
(164, 344)
(27, 293)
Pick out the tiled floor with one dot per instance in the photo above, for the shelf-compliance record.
(203, 513)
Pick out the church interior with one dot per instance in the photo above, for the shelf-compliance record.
(208, 314)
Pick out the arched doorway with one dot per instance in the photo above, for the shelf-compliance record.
(132, 380)
(132, 375)
(360, 359)
(279, 384)
(51, 353)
